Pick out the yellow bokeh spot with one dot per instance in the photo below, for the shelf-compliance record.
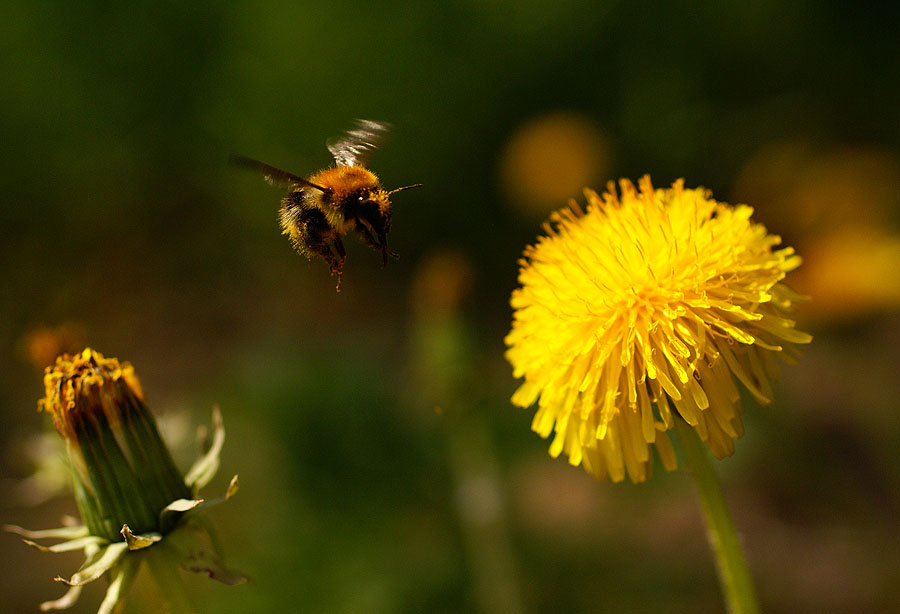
(839, 207)
(852, 272)
(551, 157)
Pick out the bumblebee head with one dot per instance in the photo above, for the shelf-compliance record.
(374, 207)
(372, 210)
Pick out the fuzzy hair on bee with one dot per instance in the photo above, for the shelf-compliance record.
(317, 212)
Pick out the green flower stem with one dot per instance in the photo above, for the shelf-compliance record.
(734, 575)
(164, 568)
(444, 357)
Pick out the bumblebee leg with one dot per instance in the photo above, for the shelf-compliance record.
(311, 233)
(385, 252)
(363, 229)
(341, 256)
(380, 243)
(335, 261)
(321, 247)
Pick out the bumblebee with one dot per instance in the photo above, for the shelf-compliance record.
(317, 212)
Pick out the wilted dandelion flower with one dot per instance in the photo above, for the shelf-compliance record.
(132, 498)
(646, 306)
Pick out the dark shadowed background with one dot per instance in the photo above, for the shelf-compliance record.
(383, 468)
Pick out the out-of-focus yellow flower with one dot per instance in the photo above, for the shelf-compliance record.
(549, 157)
(443, 280)
(853, 271)
(643, 309)
(42, 345)
(839, 208)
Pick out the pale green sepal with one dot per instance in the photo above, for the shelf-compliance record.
(205, 562)
(120, 583)
(170, 514)
(111, 555)
(206, 466)
(64, 602)
(60, 533)
(137, 542)
(182, 505)
(233, 487)
(196, 550)
(79, 543)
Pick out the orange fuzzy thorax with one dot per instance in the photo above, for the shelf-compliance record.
(345, 180)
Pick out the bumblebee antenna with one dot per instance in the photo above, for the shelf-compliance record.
(406, 187)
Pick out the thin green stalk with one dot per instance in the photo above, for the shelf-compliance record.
(734, 575)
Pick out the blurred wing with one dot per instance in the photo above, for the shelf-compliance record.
(354, 147)
(273, 176)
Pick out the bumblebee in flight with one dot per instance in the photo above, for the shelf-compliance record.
(317, 212)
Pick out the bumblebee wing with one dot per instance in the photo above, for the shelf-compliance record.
(274, 176)
(354, 147)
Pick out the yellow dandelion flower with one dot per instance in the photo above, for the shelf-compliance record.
(646, 306)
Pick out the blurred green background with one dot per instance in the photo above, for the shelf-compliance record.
(383, 468)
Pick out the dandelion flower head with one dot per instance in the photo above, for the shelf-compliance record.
(646, 307)
(82, 382)
(129, 492)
